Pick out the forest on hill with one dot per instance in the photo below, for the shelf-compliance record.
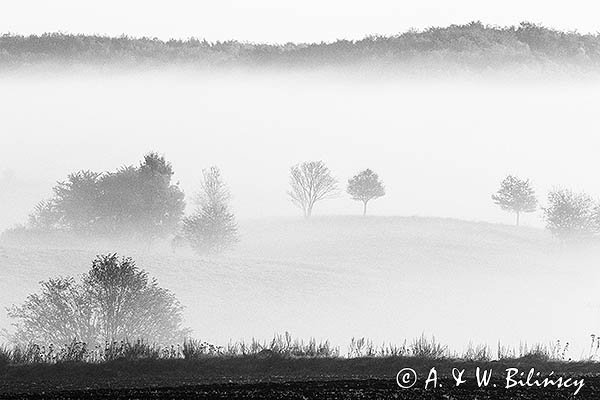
(471, 45)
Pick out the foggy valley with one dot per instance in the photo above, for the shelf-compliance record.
(441, 145)
(299, 200)
(435, 254)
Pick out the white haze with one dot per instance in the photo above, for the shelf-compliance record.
(440, 145)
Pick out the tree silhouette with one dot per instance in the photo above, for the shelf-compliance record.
(212, 228)
(311, 182)
(114, 301)
(365, 186)
(515, 195)
(133, 201)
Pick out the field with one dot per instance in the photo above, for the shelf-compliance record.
(334, 278)
(280, 378)
(387, 279)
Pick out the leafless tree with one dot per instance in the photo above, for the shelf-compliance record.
(310, 182)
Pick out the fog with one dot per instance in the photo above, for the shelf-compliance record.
(441, 145)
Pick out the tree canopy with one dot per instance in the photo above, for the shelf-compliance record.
(140, 201)
(516, 195)
(473, 44)
(364, 187)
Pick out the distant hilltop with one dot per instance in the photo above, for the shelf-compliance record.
(473, 45)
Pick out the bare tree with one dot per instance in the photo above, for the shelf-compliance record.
(515, 195)
(364, 187)
(311, 182)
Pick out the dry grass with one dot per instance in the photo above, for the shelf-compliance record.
(281, 346)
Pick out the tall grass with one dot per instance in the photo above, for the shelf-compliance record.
(556, 351)
(423, 347)
(283, 345)
(280, 346)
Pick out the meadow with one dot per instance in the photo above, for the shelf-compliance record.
(387, 279)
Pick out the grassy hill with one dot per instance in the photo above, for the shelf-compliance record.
(387, 278)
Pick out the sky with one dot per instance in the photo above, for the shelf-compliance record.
(282, 21)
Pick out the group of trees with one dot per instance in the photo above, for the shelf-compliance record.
(139, 203)
(115, 300)
(142, 202)
(134, 200)
(472, 44)
(569, 215)
(312, 181)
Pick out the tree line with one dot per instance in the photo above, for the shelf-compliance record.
(470, 44)
(142, 203)
(139, 203)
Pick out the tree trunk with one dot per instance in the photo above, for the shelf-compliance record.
(517, 218)
(364, 208)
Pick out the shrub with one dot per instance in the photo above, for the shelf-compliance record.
(114, 301)
(571, 216)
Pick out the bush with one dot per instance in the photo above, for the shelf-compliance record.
(114, 301)
(571, 216)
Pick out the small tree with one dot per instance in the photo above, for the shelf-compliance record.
(311, 182)
(515, 195)
(114, 301)
(571, 216)
(364, 187)
(212, 228)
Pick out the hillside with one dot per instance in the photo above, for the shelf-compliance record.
(472, 45)
(387, 278)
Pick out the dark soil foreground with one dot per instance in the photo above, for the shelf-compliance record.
(343, 389)
(250, 378)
